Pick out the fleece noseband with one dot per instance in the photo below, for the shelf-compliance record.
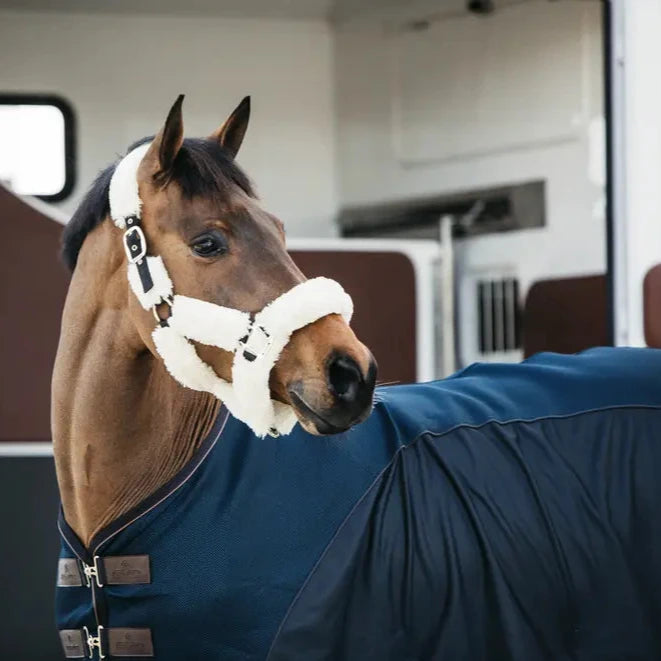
(256, 340)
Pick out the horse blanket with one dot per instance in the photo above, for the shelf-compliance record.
(507, 512)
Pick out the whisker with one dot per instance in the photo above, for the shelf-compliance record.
(386, 383)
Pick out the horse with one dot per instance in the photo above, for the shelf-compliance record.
(507, 512)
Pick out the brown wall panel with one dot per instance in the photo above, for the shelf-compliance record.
(382, 285)
(652, 307)
(33, 285)
(566, 315)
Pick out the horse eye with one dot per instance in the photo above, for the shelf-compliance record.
(209, 244)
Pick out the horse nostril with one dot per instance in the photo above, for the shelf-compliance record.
(344, 377)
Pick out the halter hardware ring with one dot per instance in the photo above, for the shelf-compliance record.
(167, 300)
(253, 354)
(135, 244)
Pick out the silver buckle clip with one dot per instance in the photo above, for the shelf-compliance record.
(252, 347)
(94, 642)
(92, 571)
(165, 300)
(135, 252)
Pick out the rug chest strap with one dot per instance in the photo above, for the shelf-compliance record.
(102, 642)
(104, 570)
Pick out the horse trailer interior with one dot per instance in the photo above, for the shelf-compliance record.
(481, 177)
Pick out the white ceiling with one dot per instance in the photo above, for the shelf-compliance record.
(248, 8)
(298, 9)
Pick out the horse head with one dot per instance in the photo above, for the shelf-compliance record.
(200, 216)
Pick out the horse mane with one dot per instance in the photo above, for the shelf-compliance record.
(201, 168)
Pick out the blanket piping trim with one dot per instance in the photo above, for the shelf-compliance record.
(149, 503)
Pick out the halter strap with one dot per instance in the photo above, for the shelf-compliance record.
(255, 340)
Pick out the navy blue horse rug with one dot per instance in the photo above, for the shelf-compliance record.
(508, 512)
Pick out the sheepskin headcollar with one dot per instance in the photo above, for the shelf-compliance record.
(256, 340)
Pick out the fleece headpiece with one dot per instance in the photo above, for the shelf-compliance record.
(256, 340)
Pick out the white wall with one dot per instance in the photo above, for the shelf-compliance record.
(121, 73)
(475, 102)
(637, 193)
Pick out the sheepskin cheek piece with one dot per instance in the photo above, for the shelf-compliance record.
(256, 342)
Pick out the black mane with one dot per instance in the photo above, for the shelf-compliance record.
(201, 168)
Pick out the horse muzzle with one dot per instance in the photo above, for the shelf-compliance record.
(344, 400)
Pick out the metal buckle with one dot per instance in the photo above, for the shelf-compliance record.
(94, 641)
(92, 571)
(167, 300)
(132, 253)
(252, 355)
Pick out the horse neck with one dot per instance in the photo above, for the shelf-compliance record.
(122, 427)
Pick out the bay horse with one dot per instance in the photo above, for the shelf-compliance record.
(508, 512)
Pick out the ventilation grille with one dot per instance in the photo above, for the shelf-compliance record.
(499, 315)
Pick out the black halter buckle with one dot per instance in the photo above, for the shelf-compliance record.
(135, 244)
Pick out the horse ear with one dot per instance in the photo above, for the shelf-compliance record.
(168, 141)
(230, 135)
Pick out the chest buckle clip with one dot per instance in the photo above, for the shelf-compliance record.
(95, 642)
(92, 571)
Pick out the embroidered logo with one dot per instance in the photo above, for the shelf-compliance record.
(130, 642)
(68, 573)
(127, 569)
(72, 643)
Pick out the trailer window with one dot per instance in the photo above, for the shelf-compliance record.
(37, 146)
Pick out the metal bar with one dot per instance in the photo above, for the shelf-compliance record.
(448, 347)
(499, 315)
(616, 129)
(487, 317)
(26, 449)
(510, 315)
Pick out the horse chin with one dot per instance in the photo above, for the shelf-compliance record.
(319, 423)
(310, 427)
(312, 421)
(320, 428)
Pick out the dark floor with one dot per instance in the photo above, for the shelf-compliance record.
(29, 548)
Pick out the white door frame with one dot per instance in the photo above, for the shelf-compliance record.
(635, 135)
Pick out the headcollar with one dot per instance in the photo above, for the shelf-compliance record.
(256, 340)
